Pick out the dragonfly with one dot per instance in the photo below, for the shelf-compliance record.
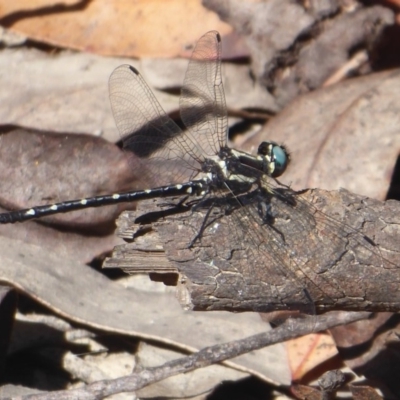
(265, 216)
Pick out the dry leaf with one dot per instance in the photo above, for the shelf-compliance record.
(131, 29)
(189, 385)
(48, 168)
(346, 135)
(81, 294)
(296, 47)
(307, 352)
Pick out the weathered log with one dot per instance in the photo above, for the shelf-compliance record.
(344, 255)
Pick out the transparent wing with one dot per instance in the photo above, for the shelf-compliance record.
(148, 132)
(202, 101)
(265, 252)
(298, 244)
(245, 256)
(286, 258)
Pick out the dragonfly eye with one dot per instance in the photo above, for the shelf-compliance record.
(281, 159)
(277, 156)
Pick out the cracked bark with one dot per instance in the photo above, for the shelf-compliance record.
(350, 262)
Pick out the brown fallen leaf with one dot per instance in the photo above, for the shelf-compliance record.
(362, 392)
(307, 352)
(39, 167)
(70, 90)
(306, 392)
(63, 92)
(130, 29)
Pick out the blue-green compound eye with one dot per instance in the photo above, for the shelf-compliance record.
(281, 158)
(276, 157)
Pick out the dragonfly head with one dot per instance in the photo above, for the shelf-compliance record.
(277, 158)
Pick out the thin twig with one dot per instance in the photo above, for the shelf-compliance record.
(209, 355)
